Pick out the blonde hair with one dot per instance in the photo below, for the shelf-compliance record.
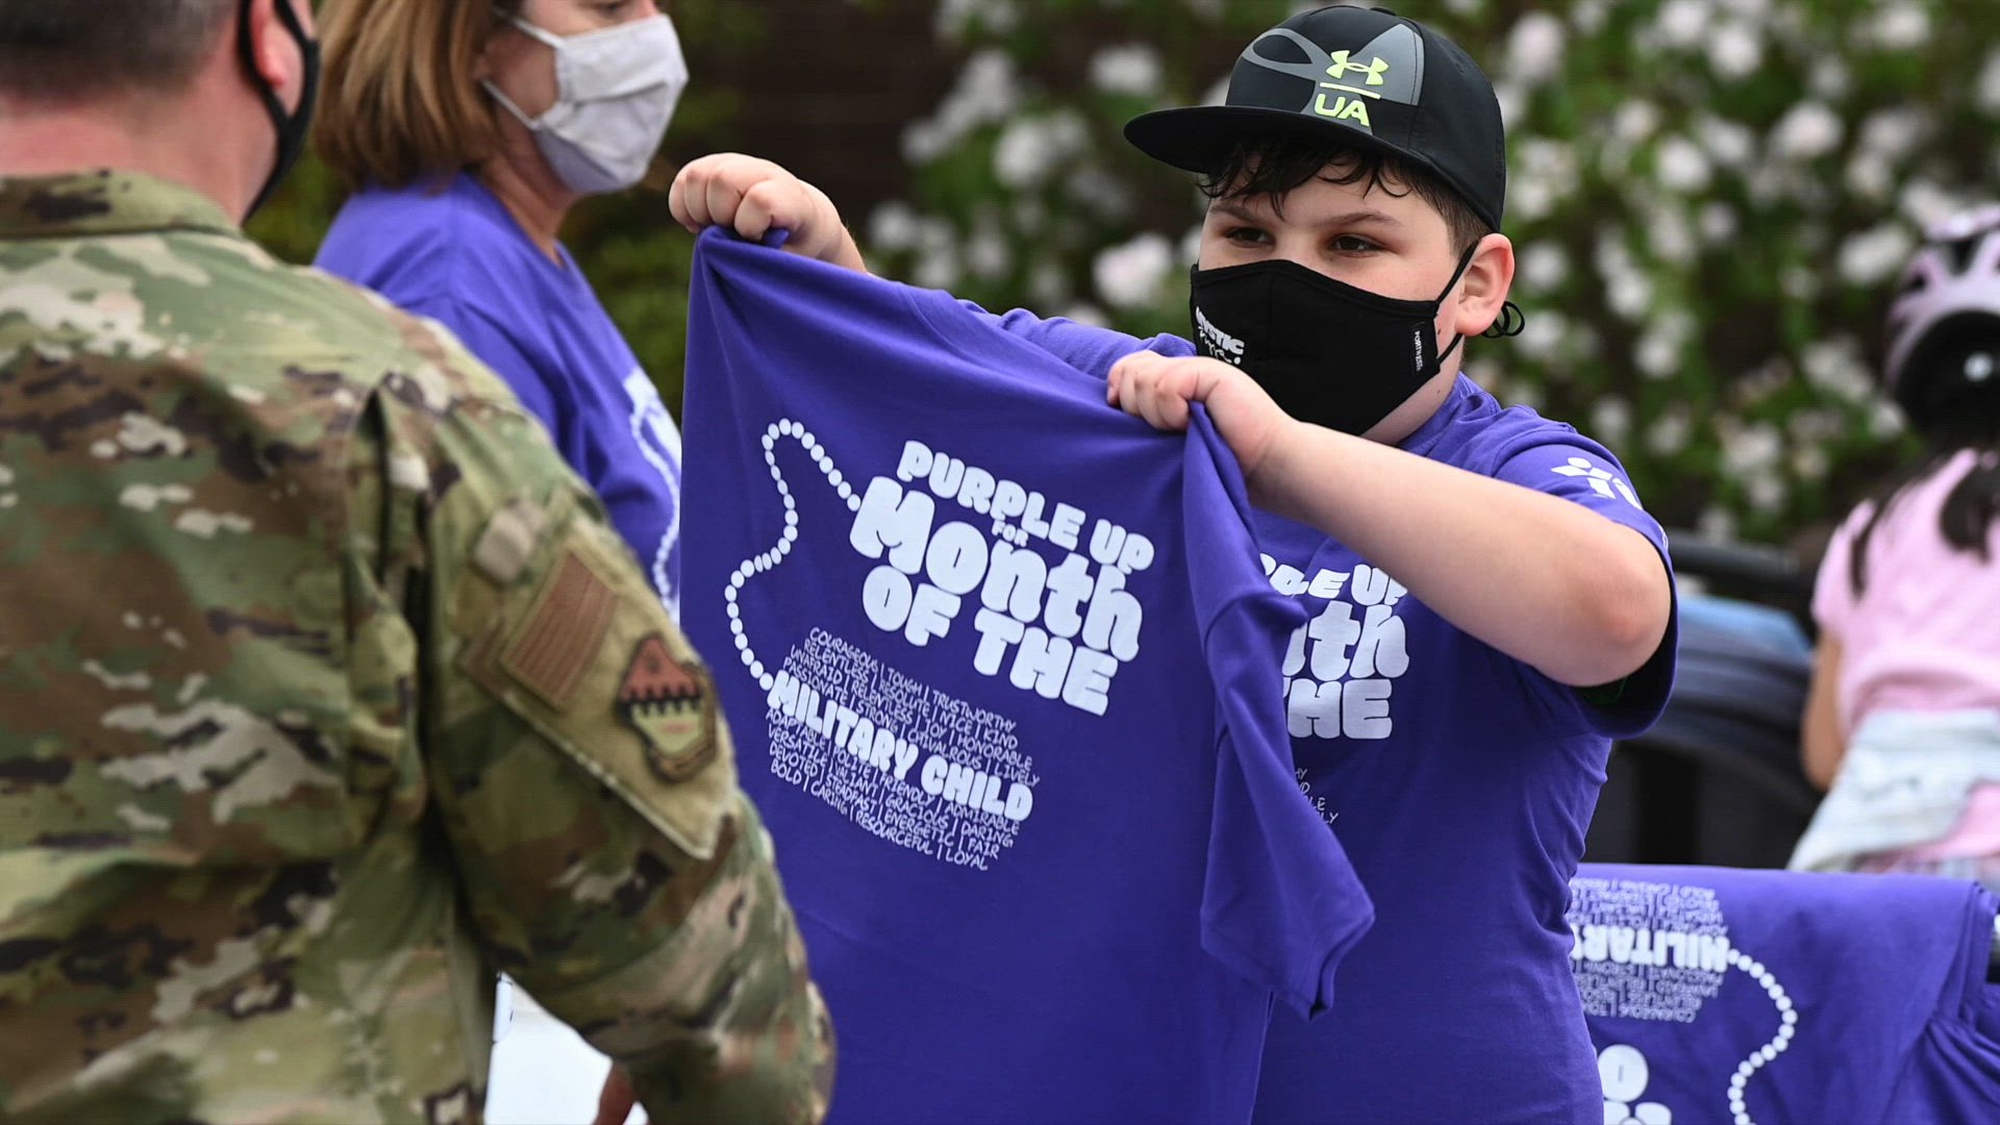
(400, 100)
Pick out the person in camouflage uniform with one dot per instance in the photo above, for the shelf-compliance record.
(325, 689)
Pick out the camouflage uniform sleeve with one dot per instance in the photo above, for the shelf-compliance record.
(585, 777)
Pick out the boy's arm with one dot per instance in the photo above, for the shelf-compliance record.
(1583, 599)
(1821, 742)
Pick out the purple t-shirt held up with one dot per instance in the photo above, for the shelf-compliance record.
(1459, 780)
(998, 660)
(452, 252)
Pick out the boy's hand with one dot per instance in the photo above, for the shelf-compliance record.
(1159, 388)
(752, 197)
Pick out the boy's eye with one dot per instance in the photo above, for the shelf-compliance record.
(1353, 244)
(1246, 236)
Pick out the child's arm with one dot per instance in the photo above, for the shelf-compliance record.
(1551, 583)
(754, 197)
(1821, 742)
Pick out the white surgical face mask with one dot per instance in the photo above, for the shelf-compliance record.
(615, 92)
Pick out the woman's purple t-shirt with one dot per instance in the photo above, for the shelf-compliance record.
(454, 253)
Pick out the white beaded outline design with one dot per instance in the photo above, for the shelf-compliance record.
(769, 560)
(1787, 1028)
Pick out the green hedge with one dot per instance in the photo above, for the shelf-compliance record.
(1710, 199)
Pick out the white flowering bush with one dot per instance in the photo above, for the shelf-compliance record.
(1710, 200)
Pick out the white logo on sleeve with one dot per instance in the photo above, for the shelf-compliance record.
(1624, 1073)
(659, 442)
(1601, 480)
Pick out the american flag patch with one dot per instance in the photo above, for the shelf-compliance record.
(549, 654)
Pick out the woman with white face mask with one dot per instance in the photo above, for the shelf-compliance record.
(467, 130)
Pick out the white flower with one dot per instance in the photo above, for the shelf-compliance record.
(1814, 426)
(1884, 420)
(1543, 267)
(1988, 89)
(1894, 133)
(1669, 433)
(1611, 420)
(1130, 276)
(1190, 246)
(1736, 50)
(938, 269)
(1808, 130)
(1513, 102)
(1683, 23)
(1086, 314)
(1681, 166)
(1829, 78)
(1873, 256)
(1587, 15)
(984, 93)
(955, 17)
(1635, 121)
(1870, 176)
(1834, 366)
(988, 255)
(1048, 287)
(1133, 69)
(1535, 48)
(1899, 26)
(1925, 203)
(1031, 148)
(1729, 143)
(1746, 449)
(1545, 174)
(893, 227)
(1766, 492)
(1658, 352)
(1717, 222)
(1798, 283)
(1716, 522)
(1541, 339)
(1630, 294)
(1810, 463)
(1669, 235)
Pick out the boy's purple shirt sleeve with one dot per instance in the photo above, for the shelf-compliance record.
(1087, 348)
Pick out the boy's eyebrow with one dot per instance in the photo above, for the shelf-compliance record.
(1363, 217)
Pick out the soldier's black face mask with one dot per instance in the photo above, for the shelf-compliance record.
(1325, 351)
(292, 126)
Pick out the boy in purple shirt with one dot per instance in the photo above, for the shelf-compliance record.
(1490, 605)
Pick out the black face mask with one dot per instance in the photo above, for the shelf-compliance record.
(292, 127)
(1327, 352)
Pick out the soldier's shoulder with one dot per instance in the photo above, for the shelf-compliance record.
(355, 318)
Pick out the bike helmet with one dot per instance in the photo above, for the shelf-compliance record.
(1944, 324)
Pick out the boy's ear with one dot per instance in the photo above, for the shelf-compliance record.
(1485, 286)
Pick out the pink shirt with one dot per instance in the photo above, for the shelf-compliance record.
(1925, 634)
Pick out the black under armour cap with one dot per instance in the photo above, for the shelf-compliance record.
(1363, 78)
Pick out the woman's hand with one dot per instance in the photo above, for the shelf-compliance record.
(753, 197)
